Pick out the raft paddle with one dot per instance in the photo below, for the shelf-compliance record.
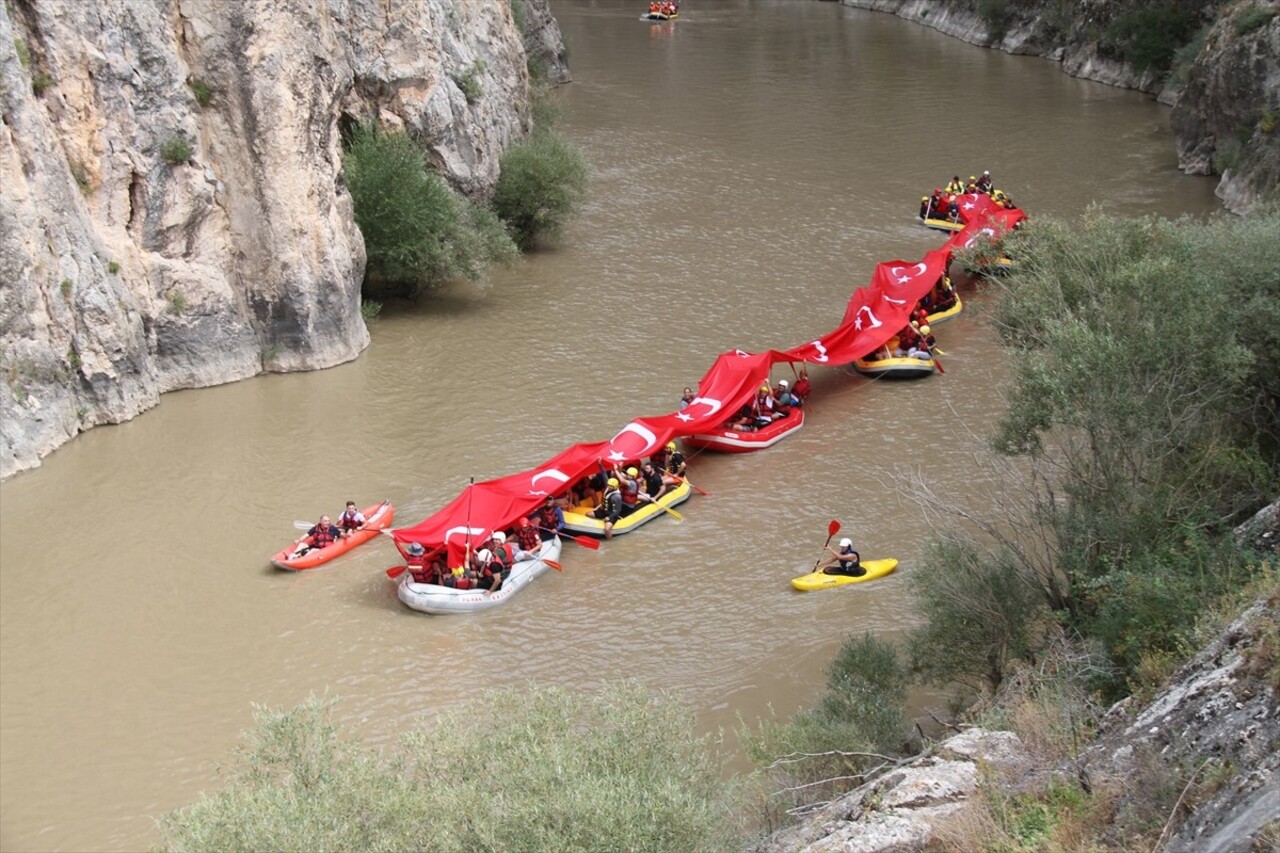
(832, 529)
(585, 541)
(396, 571)
(553, 564)
(677, 516)
(680, 479)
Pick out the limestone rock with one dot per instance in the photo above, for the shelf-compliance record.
(173, 211)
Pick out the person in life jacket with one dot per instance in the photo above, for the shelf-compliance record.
(676, 463)
(490, 569)
(925, 207)
(351, 519)
(955, 186)
(421, 567)
(802, 388)
(549, 517)
(846, 561)
(984, 183)
(629, 486)
(502, 548)
(323, 534)
(923, 348)
(908, 337)
(655, 7)
(762, 407)
(610, 507)
(783, 399)
(528, 542)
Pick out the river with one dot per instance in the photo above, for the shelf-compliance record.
(752, 161)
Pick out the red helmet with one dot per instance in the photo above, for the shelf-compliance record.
(524, 522)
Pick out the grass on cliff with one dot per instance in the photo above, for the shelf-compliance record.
(418, 232)
(533, 769)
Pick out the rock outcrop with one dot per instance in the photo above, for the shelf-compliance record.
(172, 206)
(1226, 112)
(1214, 728)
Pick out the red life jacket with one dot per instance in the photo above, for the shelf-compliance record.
(630, 492)
(322, 537)
(802, 388)
(417, 567)
(348, 520)
(529, 540)
(505, 553)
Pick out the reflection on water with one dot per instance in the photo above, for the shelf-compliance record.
(751, 163)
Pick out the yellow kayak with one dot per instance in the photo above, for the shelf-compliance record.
(819, 580)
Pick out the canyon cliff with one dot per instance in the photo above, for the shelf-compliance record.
(172, 205)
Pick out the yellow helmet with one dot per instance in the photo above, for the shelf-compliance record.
(632, 472)
(924, 330)
(613, 481)
(671, 445)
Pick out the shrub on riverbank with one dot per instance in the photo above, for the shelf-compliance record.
(535, 769)
(543, 183)
(418, 232)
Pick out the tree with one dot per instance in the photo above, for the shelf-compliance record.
(418, 233)
(542, 184)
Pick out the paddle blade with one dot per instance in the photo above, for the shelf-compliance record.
(396, 571)
(553, 564)
(304, 525)
(938, 364)
(586, 542)
(833, 528)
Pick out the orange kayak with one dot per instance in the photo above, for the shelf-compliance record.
(377, 517)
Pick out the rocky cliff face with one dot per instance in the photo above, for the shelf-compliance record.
(1211, 738)
(173, 212)
(1226, 113)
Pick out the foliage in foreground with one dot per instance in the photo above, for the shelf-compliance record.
(534, 769)
(858, 726)
(543, 183)
(417, 232)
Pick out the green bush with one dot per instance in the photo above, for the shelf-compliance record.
(997, 16)
(980, 614)
(537, 769)
(113, 267)
(1251, 17)
(40, 81)
(857, 724)
(1147, 38)
(175, 150)
(469, 82)
(200, 89)
(417, 232)
(370, 309)
(542, 185)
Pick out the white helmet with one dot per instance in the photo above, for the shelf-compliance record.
(846, 543)
(499, 537)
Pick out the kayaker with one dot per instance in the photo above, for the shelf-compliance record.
(351, 519)
(846, 561)
(610, 508)
(321, 535)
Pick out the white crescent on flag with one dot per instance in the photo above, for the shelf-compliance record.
(555, 474)
(644, 432)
